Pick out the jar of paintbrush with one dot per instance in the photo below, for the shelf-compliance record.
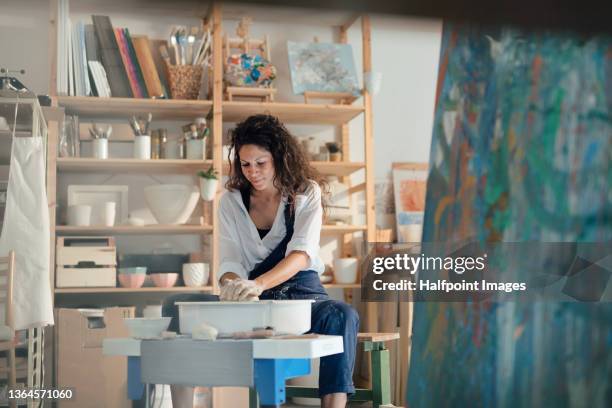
(185, 55)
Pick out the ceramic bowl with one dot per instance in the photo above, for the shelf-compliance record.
(164, 280)
(131, 280)
(134, 270)
(171, 204)
(147, 327)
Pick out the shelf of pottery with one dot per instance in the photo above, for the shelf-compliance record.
(136, 173)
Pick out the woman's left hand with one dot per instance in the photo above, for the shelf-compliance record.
(241, 289)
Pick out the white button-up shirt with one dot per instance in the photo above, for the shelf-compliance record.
(241, 248)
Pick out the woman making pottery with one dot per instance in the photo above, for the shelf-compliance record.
(269, 228)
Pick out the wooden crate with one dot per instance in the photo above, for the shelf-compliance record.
(86, 262)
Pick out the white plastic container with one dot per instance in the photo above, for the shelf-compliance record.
(285, 316)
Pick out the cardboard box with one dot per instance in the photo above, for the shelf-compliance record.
(97, 381)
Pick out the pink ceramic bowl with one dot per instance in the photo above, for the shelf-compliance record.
(164, 280)
(131, 280)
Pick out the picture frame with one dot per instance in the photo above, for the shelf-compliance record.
(409, 188)
(96, 196)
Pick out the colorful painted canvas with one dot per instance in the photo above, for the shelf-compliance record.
(322, 67)
(520, 152)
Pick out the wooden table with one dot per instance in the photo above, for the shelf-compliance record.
(263, 365)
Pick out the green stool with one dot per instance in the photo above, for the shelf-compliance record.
(380, 394)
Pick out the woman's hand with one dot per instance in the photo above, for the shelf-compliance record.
(241, 290)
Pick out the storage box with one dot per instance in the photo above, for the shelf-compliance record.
(285, 316)
(97, 381)
(86, 262)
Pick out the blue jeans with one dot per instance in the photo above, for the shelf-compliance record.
(328, 316)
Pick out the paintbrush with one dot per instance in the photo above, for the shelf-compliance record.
(163, 50)
(148, 123)
(190, 43)
(172, 44)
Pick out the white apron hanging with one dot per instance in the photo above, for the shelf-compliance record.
(26, 231)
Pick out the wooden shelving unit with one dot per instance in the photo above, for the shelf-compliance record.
(221, 112)
(94, 107)
(300, 113)
(134, 230)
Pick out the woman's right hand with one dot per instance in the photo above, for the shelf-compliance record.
(238, 290)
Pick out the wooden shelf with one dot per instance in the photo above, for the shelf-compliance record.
(293, 112)
(134, 290)
(342, 229)
(85, 164)
(96, 107)
(327, 168)
(134, 230)
(178, 229)
(178, 289)
(342, 286)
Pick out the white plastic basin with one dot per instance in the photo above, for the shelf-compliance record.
(285, 316)
(147, 327)
(171, 203)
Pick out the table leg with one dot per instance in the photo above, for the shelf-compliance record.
(270, 377)
(135, 386)
(253, 399)
(147, 403)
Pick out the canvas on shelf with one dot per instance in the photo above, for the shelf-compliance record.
(322, 67)
(409, 185)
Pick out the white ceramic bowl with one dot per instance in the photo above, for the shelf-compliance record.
(171, 203)
(147, 327)
(286, 316)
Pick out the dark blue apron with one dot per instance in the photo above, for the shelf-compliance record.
(303, 285)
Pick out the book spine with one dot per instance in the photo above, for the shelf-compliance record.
(125, 56)
(111, 57)
(135, 63)
(147, 64)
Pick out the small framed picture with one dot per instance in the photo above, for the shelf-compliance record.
(409, 186)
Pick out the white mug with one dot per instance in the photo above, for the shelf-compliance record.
(109, 211)
(79, 215)
(345, 270)
(142, 147)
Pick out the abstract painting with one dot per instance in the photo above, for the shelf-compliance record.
(521, 151)
(322, 67)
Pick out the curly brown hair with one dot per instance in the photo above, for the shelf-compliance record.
(293, 171)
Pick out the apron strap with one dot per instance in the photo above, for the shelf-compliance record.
(278, 253)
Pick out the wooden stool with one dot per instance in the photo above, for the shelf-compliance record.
(380, 393)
